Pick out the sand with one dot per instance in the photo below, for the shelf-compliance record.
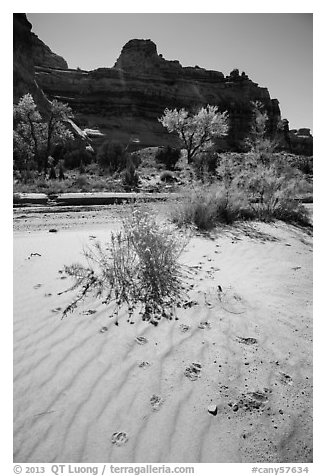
(86, 390)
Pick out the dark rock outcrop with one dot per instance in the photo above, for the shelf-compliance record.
(43, 56)
(23, 63)
(128, 98)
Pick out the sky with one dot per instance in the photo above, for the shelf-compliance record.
(274, 49)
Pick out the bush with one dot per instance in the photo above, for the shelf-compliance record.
(270, 189)
(302, 163)
(205, 165)
(112, 156)
(167, 177)
(74, 158)
(168, 157)
(130, 178)
(82, 183)
(207, 207)
(138, 270)
(273, 194)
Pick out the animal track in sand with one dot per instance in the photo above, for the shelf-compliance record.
(88, 312)
(119, 438)
(204, 325)
(141, 340)
(252, 400)
(184, 328)
(57, 309)
(144, 364)
(193, 371)
(247, 340)
(285, 379)
(156, 401)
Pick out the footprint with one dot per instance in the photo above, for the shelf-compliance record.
(57, 309)
(252, 400)
(120, 438)
(285, 379)
(204, 325)
(144, 364)
(156, 401)
(193, 371)
(247, 340)
(141, 340)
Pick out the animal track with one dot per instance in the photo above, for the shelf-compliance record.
(285, 379)
(120, 438)
(193, 371)
(184, 328)
(156, 401)
(141, 340)
(247, 340)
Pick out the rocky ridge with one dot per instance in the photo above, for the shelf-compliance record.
(128, 98)
(125, 100)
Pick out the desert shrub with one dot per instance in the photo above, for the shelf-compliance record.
(272, 194)
(136, 159)
(205, 165)
(168, 157)
(270, 189)
(130, 177)
(112, 156)
(207, 207)
(82, 183)
(138, 269)
(92, 169)
(302, 163)
(167, 177)
(74, 158)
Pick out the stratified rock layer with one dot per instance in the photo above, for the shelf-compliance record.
(126, 100)
(43, 56)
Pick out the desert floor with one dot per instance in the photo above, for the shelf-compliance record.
(86, 390)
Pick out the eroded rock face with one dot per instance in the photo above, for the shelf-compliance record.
(128, 98)
(43, 56)
(23, 63)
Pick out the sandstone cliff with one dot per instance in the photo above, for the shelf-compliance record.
(43, 56)
(125, 101)
(23, 65)
(128, 98)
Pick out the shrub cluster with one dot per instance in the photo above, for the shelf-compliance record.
(130, 177)
(112, 156)
(208, 206)
(248, 188)
(168, 157)
(74, 158)
(138, 269)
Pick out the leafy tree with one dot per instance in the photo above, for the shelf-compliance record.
(196, 131)
(29, 132)
(258, 140)
(56, 129)
(35, 137)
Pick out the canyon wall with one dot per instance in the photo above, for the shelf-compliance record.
(125, 100)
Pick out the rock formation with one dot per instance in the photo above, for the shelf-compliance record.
(125, 101)
(43, 56)
(23, 65)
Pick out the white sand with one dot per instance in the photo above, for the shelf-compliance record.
(74, 387)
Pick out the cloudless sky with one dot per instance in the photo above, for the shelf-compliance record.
(274, 49)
